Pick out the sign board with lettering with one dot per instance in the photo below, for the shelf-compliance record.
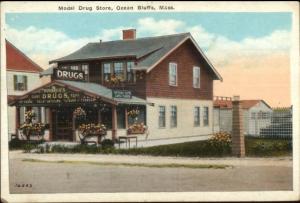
(124, 94)
(68, 74)
(54, 95)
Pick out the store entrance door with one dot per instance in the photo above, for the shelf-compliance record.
(63, 123)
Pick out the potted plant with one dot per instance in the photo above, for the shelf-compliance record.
(91, 129)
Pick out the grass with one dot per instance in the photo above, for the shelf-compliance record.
(149, 165)
(254, 147)
(265, 147)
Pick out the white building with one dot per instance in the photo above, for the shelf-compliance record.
(22, 76)
(257, 115)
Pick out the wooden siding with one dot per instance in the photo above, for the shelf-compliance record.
(186, 56)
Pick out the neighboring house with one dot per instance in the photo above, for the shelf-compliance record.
(257, 115)
(22, 75)
(168, 78)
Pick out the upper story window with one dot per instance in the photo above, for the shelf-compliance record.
(20, 82)
(173, 116)
(173, 74)
(106, 71)
(118, 70)
(196, 77)
(85, 69)
(130, 72)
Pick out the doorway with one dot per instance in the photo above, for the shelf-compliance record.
(63, 124)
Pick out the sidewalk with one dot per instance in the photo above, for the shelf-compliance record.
(278, 161)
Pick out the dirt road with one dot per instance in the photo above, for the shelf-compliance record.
(249, 174)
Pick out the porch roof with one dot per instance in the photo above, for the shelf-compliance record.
(91, 89)
(102, 91)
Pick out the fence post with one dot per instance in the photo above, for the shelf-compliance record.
(238, 141)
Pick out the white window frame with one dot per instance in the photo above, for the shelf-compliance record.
(172, 64)
(165, 116)
(204, 115)
(173, 107)
(198, 124)
(194, 76)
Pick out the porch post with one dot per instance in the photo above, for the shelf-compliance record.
(126, 118)
(74, 128)
(114, 122)
(17, 120)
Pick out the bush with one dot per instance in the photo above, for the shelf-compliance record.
(107, 143)
(267, 147)
(17, 144)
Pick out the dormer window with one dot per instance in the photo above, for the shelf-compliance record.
(172, 74)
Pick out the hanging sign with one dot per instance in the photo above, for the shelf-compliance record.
(124, 94)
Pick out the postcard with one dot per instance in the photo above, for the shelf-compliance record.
(149, 101)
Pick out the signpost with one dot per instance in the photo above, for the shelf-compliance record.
(124, 94)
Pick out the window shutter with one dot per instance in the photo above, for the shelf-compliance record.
(25, 82)
(15, 82)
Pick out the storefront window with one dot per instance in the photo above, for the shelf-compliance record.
(121, 117)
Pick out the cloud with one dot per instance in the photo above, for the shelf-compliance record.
(246, 66)
(159, 27)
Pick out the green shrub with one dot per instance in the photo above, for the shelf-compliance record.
(25, 145)
(107, 143)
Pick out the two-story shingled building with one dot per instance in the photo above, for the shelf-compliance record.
(168, 78)
(22, 76)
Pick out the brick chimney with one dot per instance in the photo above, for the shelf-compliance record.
(129, 34)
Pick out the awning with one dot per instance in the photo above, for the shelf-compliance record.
(59, 92)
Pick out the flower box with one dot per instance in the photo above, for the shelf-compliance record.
(137, 128)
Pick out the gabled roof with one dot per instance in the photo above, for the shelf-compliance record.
(16, 60)
(246, 104)
(147, 51)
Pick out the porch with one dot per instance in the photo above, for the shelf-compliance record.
(100, 104)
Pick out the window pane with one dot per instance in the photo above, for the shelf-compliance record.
(197, 116)
(118, 70)
(172, 74)
(196, 77)
(173, 116)
(106, 71)
(130, 73)
(205, 116)
(162, 116)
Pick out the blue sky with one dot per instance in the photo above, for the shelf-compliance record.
(234, 26)
(244, 47)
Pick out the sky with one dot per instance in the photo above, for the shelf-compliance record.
(249, 50)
